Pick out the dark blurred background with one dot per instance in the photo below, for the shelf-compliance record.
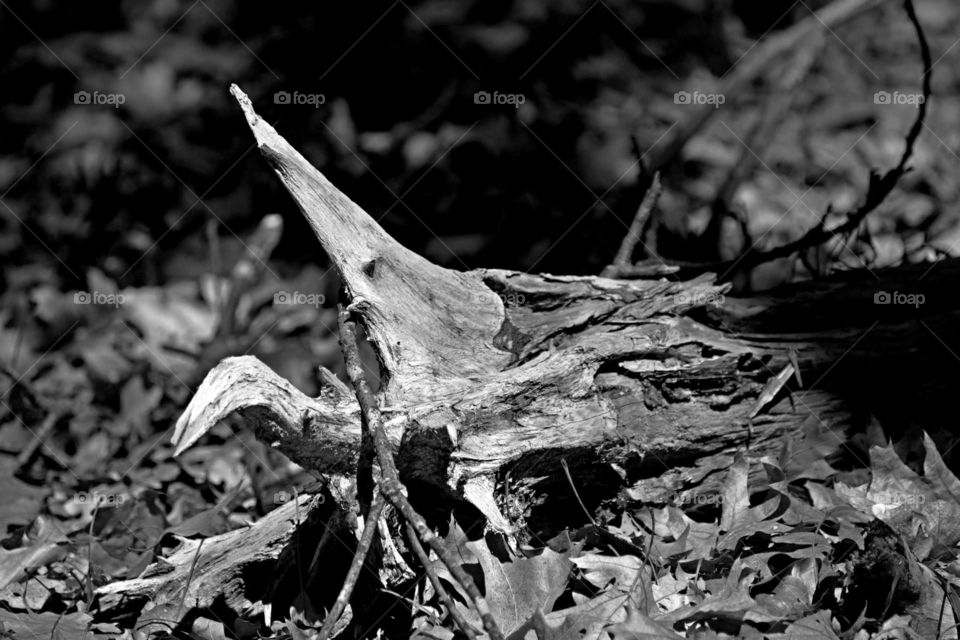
(507, 134)
(547, 186)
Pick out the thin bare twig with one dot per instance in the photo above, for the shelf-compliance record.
(390, 484)
(186, 587)
(438, 586)
(624, 257)
(365, 481)
(763, 132)
(576, 494)
(363, 548)
(89, 577)
(650, 268)
(39, 438)
(297, 543)
(880, 186)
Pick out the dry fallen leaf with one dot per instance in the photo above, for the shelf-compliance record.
(916, 506)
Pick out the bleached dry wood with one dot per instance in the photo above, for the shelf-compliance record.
(491, 371)
(199, 572)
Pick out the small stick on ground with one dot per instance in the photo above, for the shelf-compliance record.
(880, 186)
(576, 494)
(366, 541)
(390, 485)
(773, 114)
(624, 257)
(186, 587)
(438, 586)
(365, 480)
(39, 438)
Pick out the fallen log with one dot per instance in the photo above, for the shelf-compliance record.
(490, 377)
(242, 570)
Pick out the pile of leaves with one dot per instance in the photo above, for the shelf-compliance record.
(794, 547)
(104, 338)
(94, 384)
(799, 554)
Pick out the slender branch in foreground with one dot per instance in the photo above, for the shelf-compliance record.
(576, 494)
(390, 484)
(773, 114)
(624, 257)
(438, 586)
(365, 481)
(363, 548)
(39, 438)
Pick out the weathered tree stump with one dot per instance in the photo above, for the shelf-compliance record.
(491, 378)
(488, 373)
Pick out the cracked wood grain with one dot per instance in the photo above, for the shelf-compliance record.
(514, 370)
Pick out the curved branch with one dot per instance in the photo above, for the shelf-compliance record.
(322, 434)
(879, 188)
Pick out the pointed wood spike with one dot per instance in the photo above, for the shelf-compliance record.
(427, 323)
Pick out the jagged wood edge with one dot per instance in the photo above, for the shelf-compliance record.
(568, 364)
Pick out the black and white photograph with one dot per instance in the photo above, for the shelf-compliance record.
(464, 320)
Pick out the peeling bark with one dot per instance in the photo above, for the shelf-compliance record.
(235, 568)
(489, 371)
